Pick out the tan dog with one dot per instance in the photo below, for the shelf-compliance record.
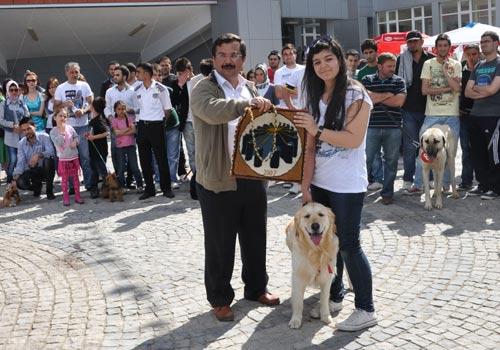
(314, 245)
(111, 188)
(11, 197)
(438, 150)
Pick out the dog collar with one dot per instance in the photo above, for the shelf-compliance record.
(330, 270)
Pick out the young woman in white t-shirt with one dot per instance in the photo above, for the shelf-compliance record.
(335, 167)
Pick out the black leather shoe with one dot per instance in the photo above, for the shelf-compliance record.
(169, 194)
(50, 196)
(146, 195)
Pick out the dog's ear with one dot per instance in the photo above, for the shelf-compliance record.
(421, 140)
(444, 141)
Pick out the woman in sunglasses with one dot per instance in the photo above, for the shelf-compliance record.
(335, 167)
(34, 100)
(12, 110)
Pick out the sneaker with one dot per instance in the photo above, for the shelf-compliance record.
(476, 191)
(406, 185)
(287, 185)
(294, 189)
(334, 307)
(359, 319)
(464, 187)
(375, 186)
(175, 185)
(489, 195)
(412, 190)
(386, 200)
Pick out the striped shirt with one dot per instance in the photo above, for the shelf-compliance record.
(381, 114)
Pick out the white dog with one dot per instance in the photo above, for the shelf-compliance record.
(439, 148)
(314, 245)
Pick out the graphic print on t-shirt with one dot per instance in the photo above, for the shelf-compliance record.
(438, 80)
(484, 75)
(76, 97)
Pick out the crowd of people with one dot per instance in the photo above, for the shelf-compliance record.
(356, 122)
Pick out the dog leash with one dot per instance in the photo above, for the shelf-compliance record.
(100, 156)
(414, 142)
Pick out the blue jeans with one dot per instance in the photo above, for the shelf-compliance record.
(173, 144)
(124, 154)
(83, 154)
(347, 208)
(430, 121)
(377, 172)
(467, 170)
(412, 122)
(188, 134)
(389, 139)
(12, 156)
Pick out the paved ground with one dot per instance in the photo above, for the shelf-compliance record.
(130, 276)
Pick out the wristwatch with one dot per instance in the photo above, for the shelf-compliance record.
(318, 134)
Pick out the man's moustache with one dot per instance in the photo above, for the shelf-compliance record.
(228, 66)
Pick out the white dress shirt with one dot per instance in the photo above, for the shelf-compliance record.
(151, 103)
(114, 94)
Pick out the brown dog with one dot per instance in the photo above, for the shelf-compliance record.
(11, 197)
(111, 188)
(312, 240)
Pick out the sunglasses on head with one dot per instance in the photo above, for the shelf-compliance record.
(324, 39)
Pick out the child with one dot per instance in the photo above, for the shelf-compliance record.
(98, 144)
(66, 141)
(124, 129)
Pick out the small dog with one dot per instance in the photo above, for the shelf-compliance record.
(11, 197)
(314, 245)
(111, 188)
(438, 150)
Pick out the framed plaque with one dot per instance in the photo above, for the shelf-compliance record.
(269, 146)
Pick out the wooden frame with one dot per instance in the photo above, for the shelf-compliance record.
(269, 146)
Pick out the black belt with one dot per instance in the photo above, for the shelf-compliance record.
(148, 122)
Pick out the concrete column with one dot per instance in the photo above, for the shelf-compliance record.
(258, 22)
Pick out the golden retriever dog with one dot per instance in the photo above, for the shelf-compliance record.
(111, 188)
(438, 150)
(314, 245)
(11, 197)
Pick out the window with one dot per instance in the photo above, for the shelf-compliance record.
(456, 14)
(404, 20)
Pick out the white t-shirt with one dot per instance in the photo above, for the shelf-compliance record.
(77, 93)
(339, 169)
(291, 76)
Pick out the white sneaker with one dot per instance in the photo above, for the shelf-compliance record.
(294, 189)
(375, 186)
(334, 307)
(359, 319)
(175, 185)
(406, 185)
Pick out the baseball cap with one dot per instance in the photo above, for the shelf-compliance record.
(413, 35)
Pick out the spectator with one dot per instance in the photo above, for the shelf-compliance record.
(288, 79)
(472, 56)
(484, 125)
(335, 168)
(388, 94)
(12, 110)
(34, 100)
(3, 149)
(369, 50)
(66, 141)
(132, 79)
(441, 78)
(264, 87)
(35, 161)
(167, 77)
(77, 97)
(97, 137)
(152, 100)
(50, 90)
(124, 129)
(409, 67)
(352, 62)
(251, 76)
(106, 84)
(273, 62)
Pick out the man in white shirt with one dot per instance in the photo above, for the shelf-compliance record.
(77, 97)
(288, 79)
(153, 105)
(120, 91)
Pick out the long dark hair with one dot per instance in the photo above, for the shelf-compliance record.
(315, 86)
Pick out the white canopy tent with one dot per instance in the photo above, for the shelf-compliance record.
(469, 34)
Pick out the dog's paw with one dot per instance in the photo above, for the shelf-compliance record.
(326, 318)
(428, 205)
(439, 204)
(295, 322)
(455, 195)
(314, 313)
